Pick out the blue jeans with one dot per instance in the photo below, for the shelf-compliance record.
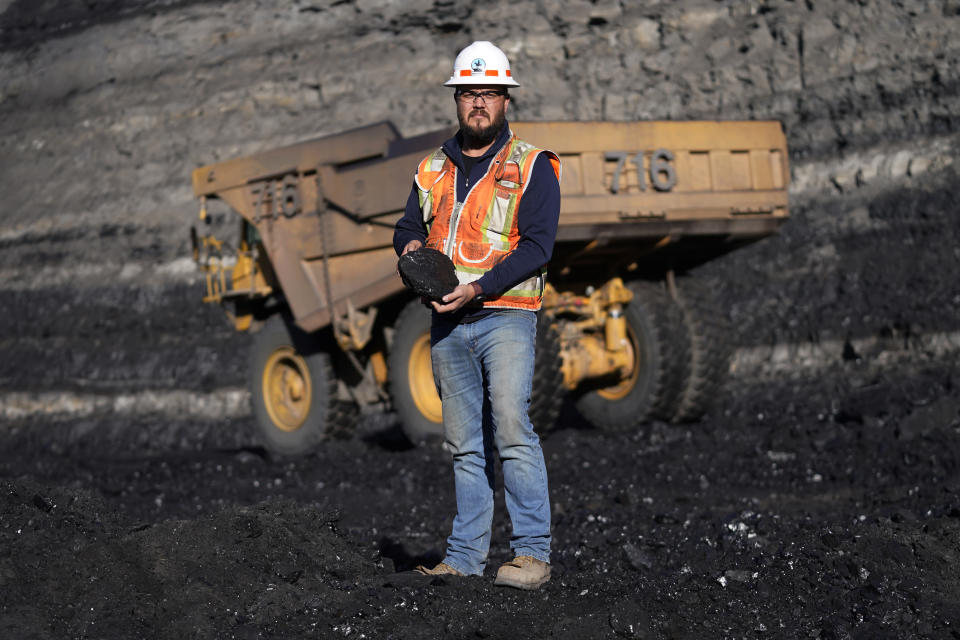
(484, 372)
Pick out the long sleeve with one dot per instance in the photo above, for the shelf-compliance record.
(410, 226)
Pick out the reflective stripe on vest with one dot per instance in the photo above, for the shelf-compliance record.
(481, 231)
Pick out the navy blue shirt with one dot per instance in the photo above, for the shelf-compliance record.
(537, 217)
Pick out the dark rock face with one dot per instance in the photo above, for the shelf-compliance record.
(428, 272)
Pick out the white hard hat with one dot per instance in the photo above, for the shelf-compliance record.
(481, 63)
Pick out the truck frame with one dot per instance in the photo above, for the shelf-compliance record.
(624, 328)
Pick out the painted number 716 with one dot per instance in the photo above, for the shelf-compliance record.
(662, 174)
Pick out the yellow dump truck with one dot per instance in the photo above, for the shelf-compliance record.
(623, 328)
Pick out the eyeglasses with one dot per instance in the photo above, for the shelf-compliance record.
(486, 96)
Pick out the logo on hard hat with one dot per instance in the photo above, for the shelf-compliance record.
(478, 65)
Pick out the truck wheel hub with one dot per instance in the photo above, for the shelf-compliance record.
(287, 389)
(622, 389)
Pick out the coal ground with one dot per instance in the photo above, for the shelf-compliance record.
(817, 503)
(827, 508)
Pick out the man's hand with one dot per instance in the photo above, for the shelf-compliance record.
(460, 296)
(413, 245)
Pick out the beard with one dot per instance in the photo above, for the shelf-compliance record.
(479, 136)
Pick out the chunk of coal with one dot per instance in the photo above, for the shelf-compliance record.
(638, 558)
(42, 503)
(428, 272)
(738, 575)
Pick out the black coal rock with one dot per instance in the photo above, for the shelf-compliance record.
(428, 272)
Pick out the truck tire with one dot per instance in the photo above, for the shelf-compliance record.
(293, 390)
(414, 392)
(708, 332)
(659, 341)
(546, 396)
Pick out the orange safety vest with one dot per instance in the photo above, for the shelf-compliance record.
(479, 232)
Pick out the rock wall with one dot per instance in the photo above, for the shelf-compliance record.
(106, 107)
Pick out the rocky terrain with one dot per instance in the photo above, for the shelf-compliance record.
(821, 500)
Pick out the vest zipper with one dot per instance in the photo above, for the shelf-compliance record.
(454, 223)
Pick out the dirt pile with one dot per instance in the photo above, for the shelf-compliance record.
(92, 573)
(827, 509)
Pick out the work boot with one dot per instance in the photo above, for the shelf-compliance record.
(523, 572)
(439, 570)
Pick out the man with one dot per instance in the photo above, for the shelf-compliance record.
(491, 203)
